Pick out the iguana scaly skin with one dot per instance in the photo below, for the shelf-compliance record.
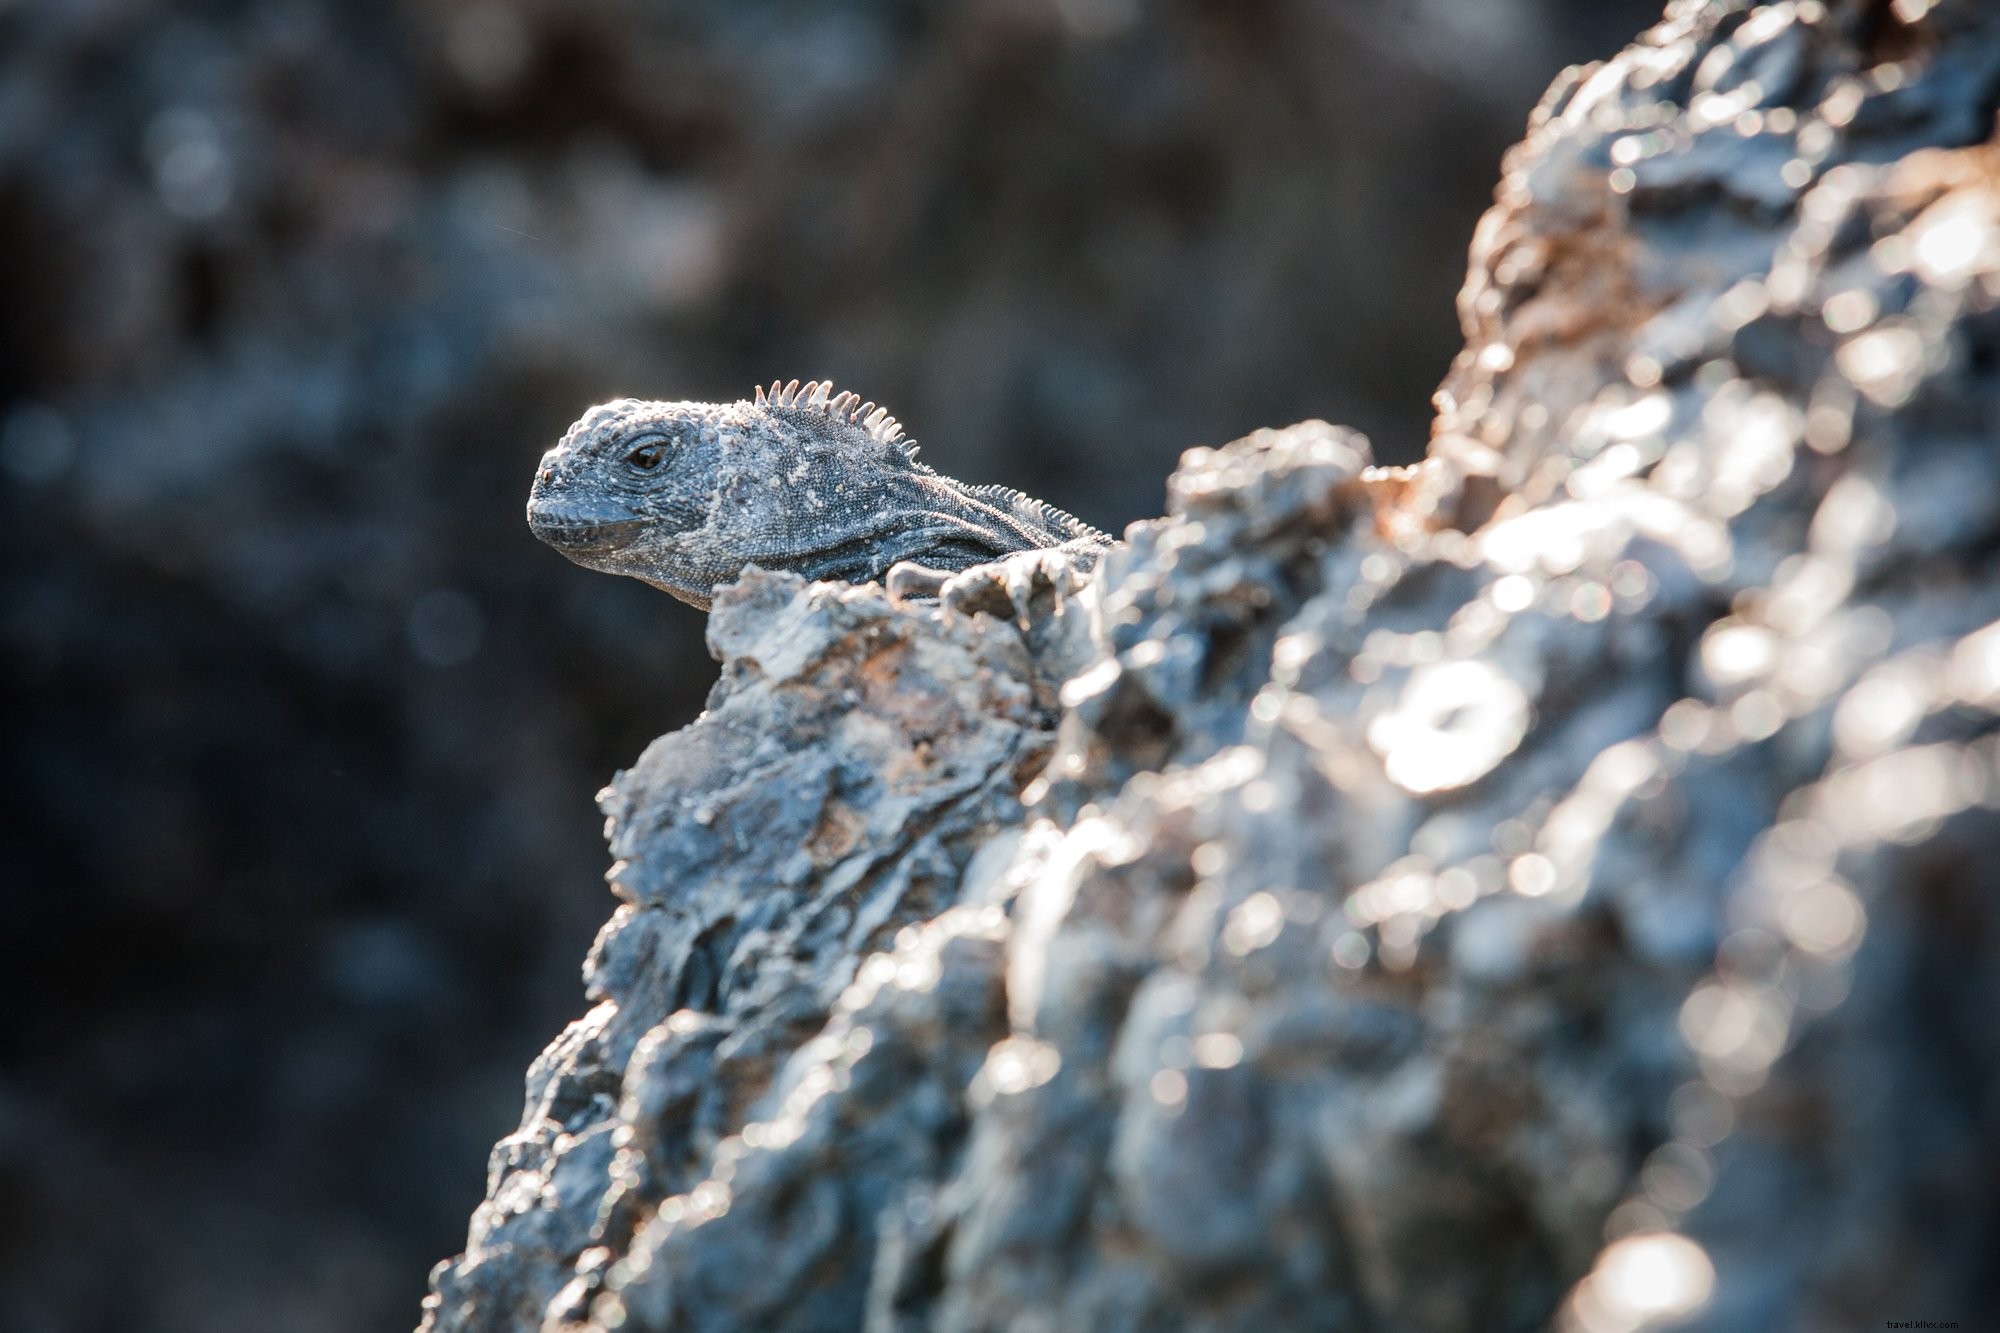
(687, 495)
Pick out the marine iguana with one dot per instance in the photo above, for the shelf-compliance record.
(687, 495)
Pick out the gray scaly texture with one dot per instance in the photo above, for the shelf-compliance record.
(686, 496)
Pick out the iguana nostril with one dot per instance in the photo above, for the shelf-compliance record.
(548, 474)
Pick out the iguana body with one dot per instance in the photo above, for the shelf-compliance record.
(687, 495)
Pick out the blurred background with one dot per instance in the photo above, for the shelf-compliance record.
(302, 727)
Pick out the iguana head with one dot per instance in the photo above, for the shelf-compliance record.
(686, 495)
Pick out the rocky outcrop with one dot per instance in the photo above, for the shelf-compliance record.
(853, 758)
(1543, 885)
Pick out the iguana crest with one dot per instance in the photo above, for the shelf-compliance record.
(818, 396)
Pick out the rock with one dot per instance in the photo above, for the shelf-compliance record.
(1539, 886)
(852, 760)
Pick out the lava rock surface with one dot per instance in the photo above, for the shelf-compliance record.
(1542, 886)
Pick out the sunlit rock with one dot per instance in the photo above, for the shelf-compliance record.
(1542, 887)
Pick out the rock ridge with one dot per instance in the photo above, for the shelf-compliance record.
(1540, 887)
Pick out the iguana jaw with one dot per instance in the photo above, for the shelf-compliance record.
(583, 529)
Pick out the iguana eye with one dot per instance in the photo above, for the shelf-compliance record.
(646, 455)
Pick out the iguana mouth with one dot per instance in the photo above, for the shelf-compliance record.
(581, 532)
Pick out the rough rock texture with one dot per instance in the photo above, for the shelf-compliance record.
(301, 725)
(852, 759)
(1546, 885)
